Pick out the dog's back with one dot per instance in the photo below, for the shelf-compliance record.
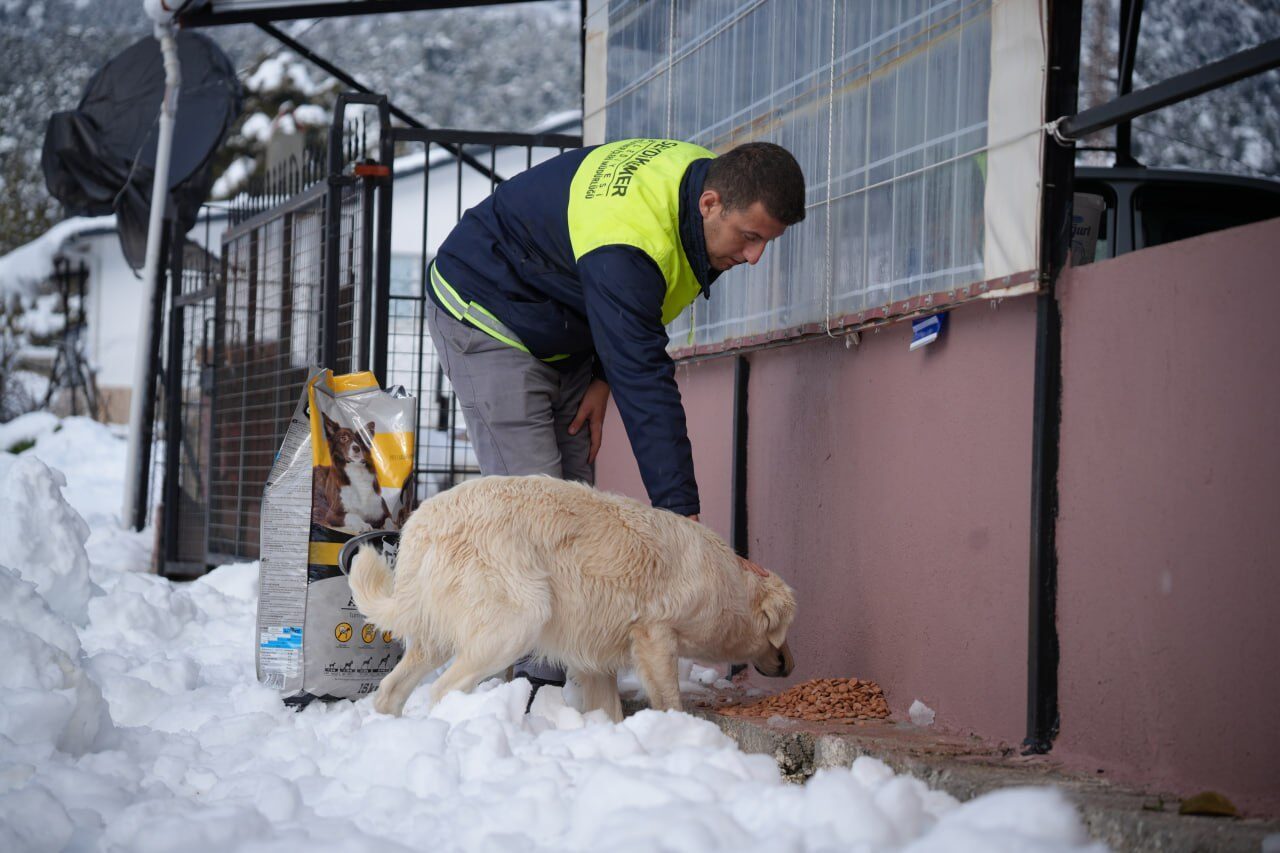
(555, 552)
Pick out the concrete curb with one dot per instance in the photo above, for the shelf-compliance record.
(1124, 819)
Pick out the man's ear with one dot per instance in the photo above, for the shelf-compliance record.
(709, 201)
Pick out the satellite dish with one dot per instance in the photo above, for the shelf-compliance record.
(99, 158)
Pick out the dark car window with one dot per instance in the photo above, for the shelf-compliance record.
(1167, 212)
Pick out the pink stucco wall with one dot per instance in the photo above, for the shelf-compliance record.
(1169, 530)
(891, 489)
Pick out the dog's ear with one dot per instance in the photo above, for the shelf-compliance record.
(330, 425)
(368, 432)
(779, 607)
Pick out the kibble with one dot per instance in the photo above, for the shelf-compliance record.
(819, 700)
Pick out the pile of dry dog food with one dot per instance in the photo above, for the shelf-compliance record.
(821, 699)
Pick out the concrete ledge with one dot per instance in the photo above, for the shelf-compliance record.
(1125, 819)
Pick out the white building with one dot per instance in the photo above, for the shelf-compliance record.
(114, 310)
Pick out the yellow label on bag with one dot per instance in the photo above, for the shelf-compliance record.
(324, 553)
(392, 455)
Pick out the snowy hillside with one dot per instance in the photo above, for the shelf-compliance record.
(130, 719)
(486, 68)
(1235, 129)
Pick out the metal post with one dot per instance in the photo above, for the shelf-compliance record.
(332, 249)
(582, 57)
(382, 276)
(362, 348)
(1130, 23)
(738, 484)
(151, 341)
(134, 510)
(424, 304)
(173, 438)
(1055, 240)
(62, 270)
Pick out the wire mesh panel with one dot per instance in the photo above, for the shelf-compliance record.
(296, 280)
(448, 186)
(883, 103)
(269, 333)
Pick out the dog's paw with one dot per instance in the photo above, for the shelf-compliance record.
(384, 704)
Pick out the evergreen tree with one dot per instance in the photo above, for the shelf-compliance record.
(26, 209)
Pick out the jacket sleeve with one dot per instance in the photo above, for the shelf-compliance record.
(624, 290)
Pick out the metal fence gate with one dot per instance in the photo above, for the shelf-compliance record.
(297, 287)
(459, 169)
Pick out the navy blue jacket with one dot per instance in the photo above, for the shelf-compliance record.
(512, 255)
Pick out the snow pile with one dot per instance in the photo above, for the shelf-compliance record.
(22, 430)
(202, 757)
(48, 700)
(44, 537)
(920, 713)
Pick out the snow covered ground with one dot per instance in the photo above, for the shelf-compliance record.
(130, 719)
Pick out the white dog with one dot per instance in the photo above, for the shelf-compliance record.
(501, 567)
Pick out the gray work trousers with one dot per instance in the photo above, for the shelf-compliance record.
(517, 410)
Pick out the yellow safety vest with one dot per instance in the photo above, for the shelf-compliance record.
(628, 193)
(624, 193)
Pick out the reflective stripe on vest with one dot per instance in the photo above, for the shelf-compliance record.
(628, 193)
(477, 315)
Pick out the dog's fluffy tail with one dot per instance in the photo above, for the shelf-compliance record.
(371, 586)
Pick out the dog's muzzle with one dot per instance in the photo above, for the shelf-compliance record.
(778, 665)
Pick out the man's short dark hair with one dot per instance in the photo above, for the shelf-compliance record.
(763, 172)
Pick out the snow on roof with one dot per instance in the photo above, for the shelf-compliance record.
(22, 270)
(26, 266)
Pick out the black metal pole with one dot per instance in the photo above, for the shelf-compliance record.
(738, 481)
(382, 276)
(362, 355)
(204, 16)
(582, 57)
(1059, 171)
(1130, 24)
(332, 240)
(62, 270)
(1215, 75)
(171, 485)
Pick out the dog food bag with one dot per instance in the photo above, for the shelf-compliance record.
(345, 468)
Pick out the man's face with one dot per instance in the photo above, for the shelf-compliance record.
(736, 236)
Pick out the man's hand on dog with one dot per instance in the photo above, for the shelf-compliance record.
(595, 402)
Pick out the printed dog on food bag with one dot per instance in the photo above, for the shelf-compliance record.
(346, 495)
(501, 567)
